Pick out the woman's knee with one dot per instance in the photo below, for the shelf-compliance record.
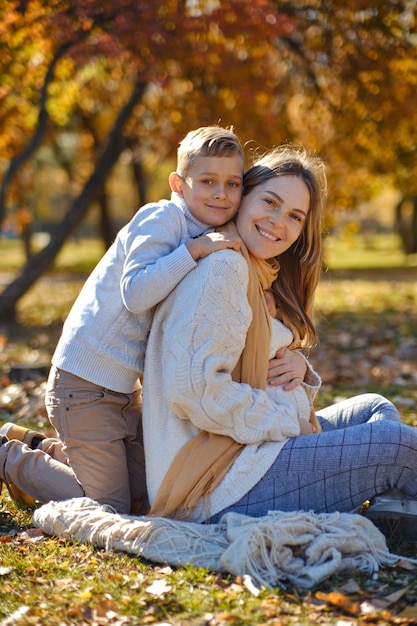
(381, 408)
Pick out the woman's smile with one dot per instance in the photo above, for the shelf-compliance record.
(266, 234)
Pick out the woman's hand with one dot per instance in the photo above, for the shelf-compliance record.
(305, 427)
(288, 368)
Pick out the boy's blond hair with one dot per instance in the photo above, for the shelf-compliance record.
(207, 141)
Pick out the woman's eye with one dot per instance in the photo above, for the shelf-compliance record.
(296, 217)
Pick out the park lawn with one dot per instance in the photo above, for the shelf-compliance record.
(341, 252)
(368, 342)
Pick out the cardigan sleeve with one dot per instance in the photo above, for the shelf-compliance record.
(204, 334)
(312, 381)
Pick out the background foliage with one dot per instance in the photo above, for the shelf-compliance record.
(91, 87)
(94, 97)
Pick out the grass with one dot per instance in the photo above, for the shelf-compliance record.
(381, 251)
(368, 342)
(76, 256)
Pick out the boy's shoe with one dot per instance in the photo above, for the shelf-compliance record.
(394, 513)
(31, 438)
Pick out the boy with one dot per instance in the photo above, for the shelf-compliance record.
(93, 395)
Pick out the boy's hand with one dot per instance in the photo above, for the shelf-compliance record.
(211, 242)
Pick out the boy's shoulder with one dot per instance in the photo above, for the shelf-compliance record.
(161, 211)
(161, 206)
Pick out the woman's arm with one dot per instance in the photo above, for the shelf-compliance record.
(204, 323)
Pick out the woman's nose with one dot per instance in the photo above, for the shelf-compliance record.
(276, 219)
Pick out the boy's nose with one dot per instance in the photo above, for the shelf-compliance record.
(219, 192)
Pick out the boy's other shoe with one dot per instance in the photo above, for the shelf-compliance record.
(31, 438)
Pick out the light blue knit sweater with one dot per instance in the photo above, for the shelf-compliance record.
(104, 336)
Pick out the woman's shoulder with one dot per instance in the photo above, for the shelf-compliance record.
(224, 262)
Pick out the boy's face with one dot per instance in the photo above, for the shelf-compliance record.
(212, 188)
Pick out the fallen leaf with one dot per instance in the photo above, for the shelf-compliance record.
(340, 600)
(396, 595)
(350, 586)
(158, 588)
(410, 612)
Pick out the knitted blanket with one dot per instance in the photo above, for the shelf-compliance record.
(301, 548)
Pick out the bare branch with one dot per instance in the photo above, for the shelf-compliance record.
(41, 128)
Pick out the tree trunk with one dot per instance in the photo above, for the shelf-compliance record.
(140, 180)
(107, 230)
(44, 259)
(27, 241)
(406, 223)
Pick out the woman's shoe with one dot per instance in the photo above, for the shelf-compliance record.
(395, 514)
(32, 439)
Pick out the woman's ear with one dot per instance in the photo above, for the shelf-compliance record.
(176, 183)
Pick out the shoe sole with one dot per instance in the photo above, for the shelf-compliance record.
(395, 526)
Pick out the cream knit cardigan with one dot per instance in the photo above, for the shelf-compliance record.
(197, 336)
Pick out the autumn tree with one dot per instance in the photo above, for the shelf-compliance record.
(143, 39)
(339, 79)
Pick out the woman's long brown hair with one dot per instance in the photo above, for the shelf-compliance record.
(301, 264)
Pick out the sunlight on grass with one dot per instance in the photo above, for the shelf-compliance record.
(338, 295)
(349, 252)
(367, 324)
(77, 256)
(360, 252)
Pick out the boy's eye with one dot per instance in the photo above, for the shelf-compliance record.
(234, 184)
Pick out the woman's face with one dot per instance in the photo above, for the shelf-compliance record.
(271, 217)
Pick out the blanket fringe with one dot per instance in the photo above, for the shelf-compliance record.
(302, 548)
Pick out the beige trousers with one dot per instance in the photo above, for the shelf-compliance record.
(99, 437)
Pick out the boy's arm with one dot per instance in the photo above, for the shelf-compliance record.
(155, 260)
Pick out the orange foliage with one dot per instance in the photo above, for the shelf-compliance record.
(338, 77)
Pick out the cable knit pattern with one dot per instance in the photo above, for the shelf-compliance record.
(197, 336)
